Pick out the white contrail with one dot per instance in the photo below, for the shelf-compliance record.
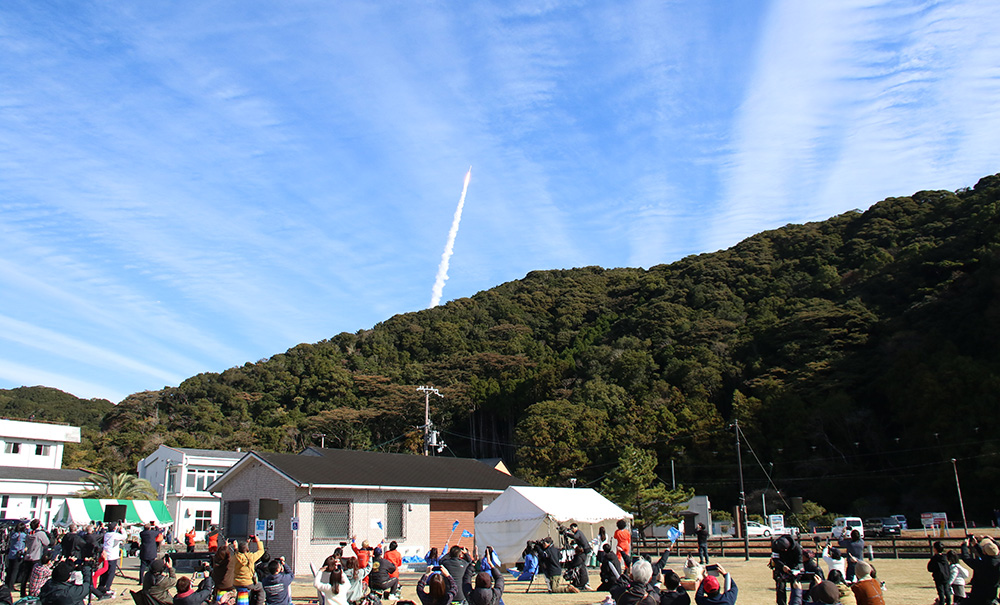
(449, 247)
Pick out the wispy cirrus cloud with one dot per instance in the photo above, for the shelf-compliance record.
(853, 101)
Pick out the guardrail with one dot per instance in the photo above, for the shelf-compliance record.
(880, 548)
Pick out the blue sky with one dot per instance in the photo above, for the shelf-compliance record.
(188, 186)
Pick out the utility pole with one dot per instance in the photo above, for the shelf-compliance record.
(427, 415)
(743, 495)
(961, 505)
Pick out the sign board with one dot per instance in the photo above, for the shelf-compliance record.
(295, 524)
(260, 529)
(929, 520)
(777, 523)
(270, 529)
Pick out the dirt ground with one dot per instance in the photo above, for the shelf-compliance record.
(907, 582)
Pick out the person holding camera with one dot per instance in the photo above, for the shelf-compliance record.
(712, 591)
(488, 589)
(187, 595)
(983, 556)
(551, 568)
(277, 582)
(786, 554)
(530, 556)
(380, 579)
(638, 588)
(611, 567)
(159, 580)
(62, 590)
(456, 562)
(436, 587)
(335, 591)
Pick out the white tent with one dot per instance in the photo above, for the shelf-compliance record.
(531, 513)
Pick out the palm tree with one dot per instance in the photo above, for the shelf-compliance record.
(119, 486)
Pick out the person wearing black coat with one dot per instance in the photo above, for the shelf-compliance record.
(983, 557)
(673, 593)
(551, 568)
(785, 553)
(456, 562)
(940, 573)
(488, 588)
(637, 589)
(147, 548)
(702, 534)
(59, 590)
(186, 595)
(72, 544)
(611, 567)
(379, 579)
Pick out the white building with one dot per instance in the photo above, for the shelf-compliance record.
(179, 476)
(33, 484)
(34, 444)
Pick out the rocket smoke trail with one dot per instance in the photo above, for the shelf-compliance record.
(449, 247)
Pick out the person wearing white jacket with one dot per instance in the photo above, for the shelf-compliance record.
(334, 592)
(959, 576)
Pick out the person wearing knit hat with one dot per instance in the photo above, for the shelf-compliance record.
(981, 556)
(862, 570)
(713, 592)
(825, 592)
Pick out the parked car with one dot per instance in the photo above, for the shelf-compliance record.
(756, 530)
(902, 521)
(891, 527)
(848, 524)
(873, 527)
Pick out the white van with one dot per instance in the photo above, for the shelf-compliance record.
(844, 525)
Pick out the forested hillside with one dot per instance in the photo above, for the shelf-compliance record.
(859, 355)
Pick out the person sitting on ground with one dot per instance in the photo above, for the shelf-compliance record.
(636, 588)
(335, 591)
(358, 579)
(551, 568)
(436, 587)
(61, 590)
(277, 583)
(530, 568)
(488, 589)
(159, 579)
(380, 579)
(576, 572)
(713, 592)
(187, 595)
(673, 593)
(867, 590)
(40, 574)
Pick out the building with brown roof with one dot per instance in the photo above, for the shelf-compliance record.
(335, 494)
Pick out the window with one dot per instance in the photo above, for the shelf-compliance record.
(202, 520)
(4, 503)
(331, 520)
(394, 522)
(12, 447)
(172, 480)
(237, 519)
(42, 450)
(200, 479)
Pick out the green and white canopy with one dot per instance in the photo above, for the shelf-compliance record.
(88, 510)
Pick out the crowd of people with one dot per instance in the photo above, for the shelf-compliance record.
(72, 566)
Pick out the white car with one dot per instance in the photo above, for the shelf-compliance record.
(756, 530)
